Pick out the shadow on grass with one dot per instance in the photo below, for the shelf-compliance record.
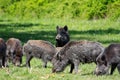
(19, 25)
(49, 35)
(95, 32)
(45, 35)
(7, 30)
(25, 36)
(100, 32)
(9, 23)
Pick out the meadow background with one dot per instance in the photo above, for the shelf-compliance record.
(95, 20)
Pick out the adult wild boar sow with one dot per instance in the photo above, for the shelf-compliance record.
(39, 49)
(2, 52)
(62, 36)
(14, 51)
(109, 58)
(74, 53)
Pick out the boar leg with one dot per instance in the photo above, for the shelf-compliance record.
(8, 56)
(72, 67)
(21, 60)
(76, 64)
(113, 66)
(12, 54)
(118, 67)
(28, 58)
(45, 62)
(3, 61)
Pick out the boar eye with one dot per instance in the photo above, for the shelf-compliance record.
(103, 58)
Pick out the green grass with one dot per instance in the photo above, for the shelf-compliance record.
(105, 31)
(80, 9)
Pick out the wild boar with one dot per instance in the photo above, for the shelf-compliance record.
(14, 51)
(110, 58)
(39, 49)
(74, 53)
(62, 36)
(2, 52)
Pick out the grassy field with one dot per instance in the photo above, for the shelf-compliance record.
(105, 31)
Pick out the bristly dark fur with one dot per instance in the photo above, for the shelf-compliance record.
(110, 57)
(40, 49)
(75, 52)
(2, 52)
(14, 51)
(62, 36)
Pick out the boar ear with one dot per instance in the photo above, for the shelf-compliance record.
(65, 28)
(57, 27)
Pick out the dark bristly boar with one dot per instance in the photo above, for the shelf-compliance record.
(110, 58)
(2, 52)
(62, 36)
(74, 53)
(39, 49)
(14, 51)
